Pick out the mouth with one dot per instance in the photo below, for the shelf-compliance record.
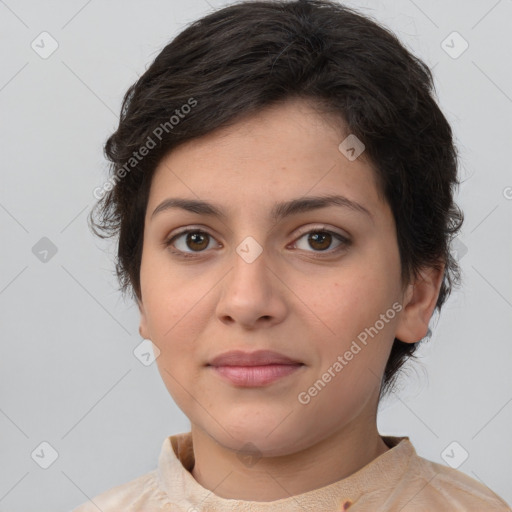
(253, 369)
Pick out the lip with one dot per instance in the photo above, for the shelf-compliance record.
(253, 369)
(257, 358)
(255, 376)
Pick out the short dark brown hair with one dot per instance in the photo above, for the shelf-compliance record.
(254, 54)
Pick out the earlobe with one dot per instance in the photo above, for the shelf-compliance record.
(420, 300)
(143, 328)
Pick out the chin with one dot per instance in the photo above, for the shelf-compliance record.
(261, 436)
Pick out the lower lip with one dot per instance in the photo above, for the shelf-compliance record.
(253, 376)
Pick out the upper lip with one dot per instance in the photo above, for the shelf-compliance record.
(257, 358)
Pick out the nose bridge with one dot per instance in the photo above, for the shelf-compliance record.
(250, 291)
(250, 262)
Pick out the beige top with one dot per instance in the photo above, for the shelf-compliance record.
(398, 480)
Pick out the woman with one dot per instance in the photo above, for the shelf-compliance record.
(282, 187)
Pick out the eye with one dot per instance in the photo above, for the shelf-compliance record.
(190, 242)
(321, 240)
(194, 239)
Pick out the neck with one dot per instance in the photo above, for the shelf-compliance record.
(338, 456)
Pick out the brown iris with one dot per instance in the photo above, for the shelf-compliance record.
(321, 238)
(199, 240)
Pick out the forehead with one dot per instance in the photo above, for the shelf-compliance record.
(282, 152)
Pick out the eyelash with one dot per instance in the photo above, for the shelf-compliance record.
(344, 242)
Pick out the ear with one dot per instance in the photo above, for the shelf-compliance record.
(419, 302)
(143, 325)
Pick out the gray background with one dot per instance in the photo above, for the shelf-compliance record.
(68, 373)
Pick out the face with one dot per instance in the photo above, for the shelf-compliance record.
(307, 284)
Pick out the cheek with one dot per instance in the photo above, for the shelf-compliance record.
(177, 310)
(170, 299)
(352, 299)
(357, 317)
(176, 320)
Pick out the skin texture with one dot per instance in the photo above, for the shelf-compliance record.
(293, 298)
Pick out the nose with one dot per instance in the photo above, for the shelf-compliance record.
(251, 294)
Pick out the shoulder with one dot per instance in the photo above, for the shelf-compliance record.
(433, 486)
(141, 493)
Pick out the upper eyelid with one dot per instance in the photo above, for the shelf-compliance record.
(187, 229)
(320, 227)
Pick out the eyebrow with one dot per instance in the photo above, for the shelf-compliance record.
(279, 211)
